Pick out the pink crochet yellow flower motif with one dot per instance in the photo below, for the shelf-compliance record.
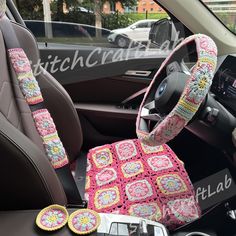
(138, 190)
(19, 60)
(131, 169)
(184, 210)
(171, 184)
(207, 45)
(170, 129)
(126, 150)
(200, 85)
(44, 122)
(52, 143)
(106, 176)
(129, 187)
(158, 163)
(30, 89)
(106, 197)
(102, 157)
(149, 211)
(52, 218)
(56, 152)
(84, 221)
(151, 149)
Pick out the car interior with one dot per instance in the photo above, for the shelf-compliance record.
(58, 129)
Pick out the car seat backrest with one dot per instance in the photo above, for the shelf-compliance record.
(27, 179)
(57, 100)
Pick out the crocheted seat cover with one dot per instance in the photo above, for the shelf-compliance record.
(131, 178)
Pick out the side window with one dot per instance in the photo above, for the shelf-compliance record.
(143, 25)
(150, 24)
(103, 25)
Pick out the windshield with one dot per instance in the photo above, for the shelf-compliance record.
(225, 10)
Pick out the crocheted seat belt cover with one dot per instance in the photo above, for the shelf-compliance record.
(30, 89)
(42, 118)
(134, 179)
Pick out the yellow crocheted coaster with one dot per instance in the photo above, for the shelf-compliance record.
(84, 221)
(52, 218)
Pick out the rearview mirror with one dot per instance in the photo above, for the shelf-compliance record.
(133, 27)
(163, 32)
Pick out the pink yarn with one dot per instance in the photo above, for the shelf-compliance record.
(131, 178)
(195, 91)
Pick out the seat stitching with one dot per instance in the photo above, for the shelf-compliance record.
(9, 108)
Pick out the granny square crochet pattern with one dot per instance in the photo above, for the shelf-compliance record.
(43, 121)
(194, 93)
(134, 179)
(32, 93)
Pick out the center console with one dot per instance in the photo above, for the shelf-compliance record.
(219, 221)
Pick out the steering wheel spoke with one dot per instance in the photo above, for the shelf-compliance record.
(147, 113)
(148, 108)
(185, 69)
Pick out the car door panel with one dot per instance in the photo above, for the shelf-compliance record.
(100, 103)
(95, 76)
(92, 65)
(98, 93)
(109, 90)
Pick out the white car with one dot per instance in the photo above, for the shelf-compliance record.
(138, 32)
(129, 225)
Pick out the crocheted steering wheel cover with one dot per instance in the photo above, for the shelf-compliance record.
(52, 218)
(84, 221)
(195, 91)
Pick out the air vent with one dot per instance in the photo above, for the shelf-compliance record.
(138, 73)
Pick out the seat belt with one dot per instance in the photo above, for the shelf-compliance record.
(42, 119)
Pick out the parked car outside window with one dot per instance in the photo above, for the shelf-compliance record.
(138, 31)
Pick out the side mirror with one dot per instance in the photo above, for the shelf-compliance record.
(163, 32)
(133, 27)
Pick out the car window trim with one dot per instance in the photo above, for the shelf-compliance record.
(213, 14)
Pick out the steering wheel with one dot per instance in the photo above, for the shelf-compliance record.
(176, 92)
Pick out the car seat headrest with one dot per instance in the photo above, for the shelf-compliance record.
(3, 7)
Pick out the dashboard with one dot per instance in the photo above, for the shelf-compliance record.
(224, 83)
